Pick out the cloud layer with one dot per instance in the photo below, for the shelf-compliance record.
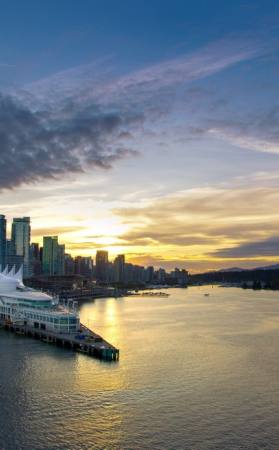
(38, 144)
(87, 117)
(207, 223)
(253, 249)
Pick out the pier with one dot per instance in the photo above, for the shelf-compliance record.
(85, 340)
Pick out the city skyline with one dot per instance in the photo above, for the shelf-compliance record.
(38, 263)
(156, 136)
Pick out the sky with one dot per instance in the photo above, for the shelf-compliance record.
(149, 128)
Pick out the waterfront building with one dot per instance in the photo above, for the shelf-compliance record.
(128, 273)
(101, 266)
(161, 276)
(21, 232)
(119, 269)
(83, 265)
(3, 237)
(22, 305)
(149, 274)
(53, 256)
(110, 272)
(139, 274)
(134, 274)
(179, 276)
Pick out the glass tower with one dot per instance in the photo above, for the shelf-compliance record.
(21, 231)
(3, 224)
(50, 255)
(102, 266)
(53, 256)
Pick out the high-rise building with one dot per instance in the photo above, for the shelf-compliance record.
(61, 259)
(84, 266)
(102, 266)
(3, 237)
(181, 276)
(35, 259)
(69, 264)
(119, 269)
(149, 274)
(12, 259)
(129, 273)
(50, 255)
(53, 256)
(21, 231)
(161, 275)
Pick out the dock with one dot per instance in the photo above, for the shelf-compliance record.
(85, 340)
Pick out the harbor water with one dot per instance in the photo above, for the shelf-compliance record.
(196, 371)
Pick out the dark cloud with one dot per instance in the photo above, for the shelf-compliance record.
(263, 248)
(49, 144)
(79, 119)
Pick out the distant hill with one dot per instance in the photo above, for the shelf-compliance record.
(240, 269)
(272, 267)
(232, 269)
(267, 275)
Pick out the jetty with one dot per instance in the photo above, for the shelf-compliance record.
(84, 341)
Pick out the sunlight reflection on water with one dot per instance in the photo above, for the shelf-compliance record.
(195, 372)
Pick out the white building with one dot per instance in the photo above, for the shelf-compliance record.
(25, 306)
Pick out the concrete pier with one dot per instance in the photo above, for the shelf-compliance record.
(84, 340)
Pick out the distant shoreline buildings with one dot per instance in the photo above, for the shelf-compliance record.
(52, 260)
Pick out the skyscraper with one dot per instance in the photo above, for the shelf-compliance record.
(12, 259)
(53, 256)
(50, 255)
(119, 268)
(84, 266)
(61, 259)
(69, 264)
(21, 232)
(149, 274)
(102, 266)
(3, 224)
(35, 259)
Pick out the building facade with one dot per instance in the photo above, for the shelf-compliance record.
(84, 266)
(53, 256)
(101, 266)
(119, 269)
(21, 232)
(3, 237)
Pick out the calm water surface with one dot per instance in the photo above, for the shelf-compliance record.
(195, 373)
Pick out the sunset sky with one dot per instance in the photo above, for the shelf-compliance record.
(149, 128)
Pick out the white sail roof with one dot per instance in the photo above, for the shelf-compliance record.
(5, 271)
(12, 272)
(10, 280)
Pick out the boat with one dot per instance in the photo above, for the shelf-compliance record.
(154, 294)
(21, 305)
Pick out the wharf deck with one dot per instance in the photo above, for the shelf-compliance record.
(85, 341)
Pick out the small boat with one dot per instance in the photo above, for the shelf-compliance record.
(206, 295)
